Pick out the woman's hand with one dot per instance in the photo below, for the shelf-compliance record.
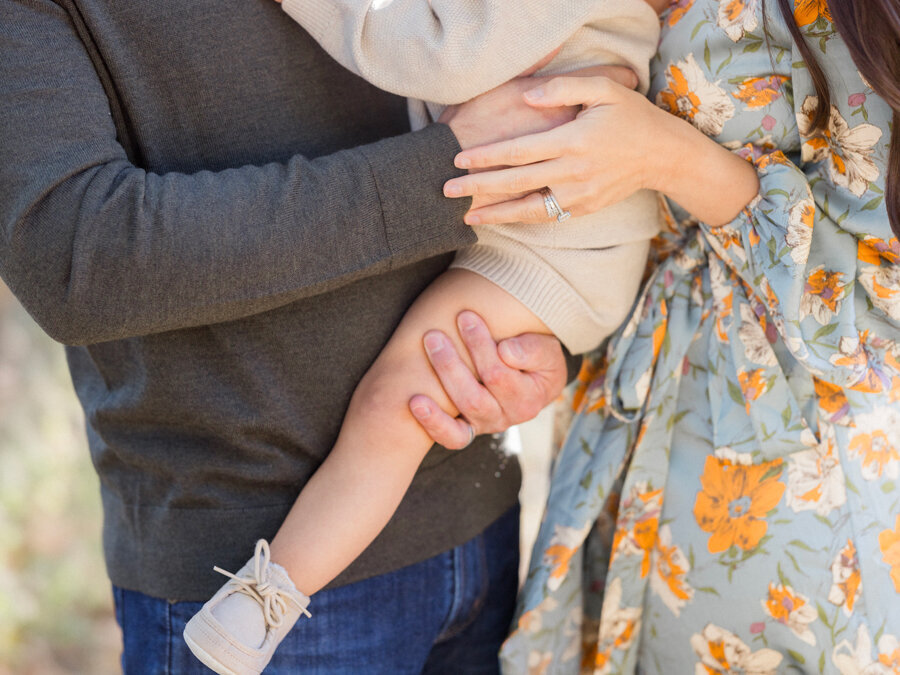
(619, 143)
(608, 152)
(504, 113)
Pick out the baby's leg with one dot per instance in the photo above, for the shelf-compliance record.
(354, 493)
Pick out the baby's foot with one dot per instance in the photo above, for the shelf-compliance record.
(237, 630)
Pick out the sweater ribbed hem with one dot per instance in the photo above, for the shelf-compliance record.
(519, 271)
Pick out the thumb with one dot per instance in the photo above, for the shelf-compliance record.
(532, 352)
(573, 91)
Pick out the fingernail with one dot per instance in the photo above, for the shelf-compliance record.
(514, 349)
(534, 94)
(421, 411)
(463, 162)
(433, 343)
(467, 322)
(473, 220)
(452, 190)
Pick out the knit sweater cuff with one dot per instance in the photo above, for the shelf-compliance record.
(410, 172)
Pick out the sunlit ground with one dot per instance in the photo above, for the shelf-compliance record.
(55, 602)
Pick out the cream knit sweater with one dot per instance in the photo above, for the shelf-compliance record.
(579, 277)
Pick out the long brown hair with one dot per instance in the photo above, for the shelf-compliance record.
(871, 30)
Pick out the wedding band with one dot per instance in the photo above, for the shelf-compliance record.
(554, 210)
(471, 436)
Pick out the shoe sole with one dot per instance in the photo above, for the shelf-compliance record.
(206, 659)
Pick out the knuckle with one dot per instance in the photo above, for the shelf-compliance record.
(494, 376)
(582, 173)
(515, 153)
(517, 182)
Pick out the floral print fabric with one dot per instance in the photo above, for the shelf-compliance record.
(726, 500)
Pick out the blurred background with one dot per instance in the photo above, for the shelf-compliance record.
(56, 612)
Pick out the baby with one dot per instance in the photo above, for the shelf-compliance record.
(576, 279)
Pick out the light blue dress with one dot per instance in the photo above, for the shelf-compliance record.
(727, 500)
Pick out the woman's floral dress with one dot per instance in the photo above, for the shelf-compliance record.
(727, 499)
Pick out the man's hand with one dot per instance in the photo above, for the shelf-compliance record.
(516, 379)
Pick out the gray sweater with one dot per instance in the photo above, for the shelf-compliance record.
(199, 198)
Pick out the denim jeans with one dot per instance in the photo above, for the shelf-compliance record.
(444, 616)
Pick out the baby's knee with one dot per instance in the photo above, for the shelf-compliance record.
(384, 392)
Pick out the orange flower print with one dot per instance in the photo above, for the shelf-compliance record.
(619, 626)
(791, 609)
(758, 92)
(753, 384)
(847, 152)
(692, 97)
(846, 581)
(863, 361)
(807, 12)
(889, 543)
(589, 389)
(737, 17)
(882, 284)
(877, 443)
(638, 524)
(800, 227)
(822, 295)
(564, 544)
(721, 652)
(677, 10)
(889, 654)
(736, 498)
(873, 250)
(670, 566)
(833, 404)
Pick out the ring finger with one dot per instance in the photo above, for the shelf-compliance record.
(529, 209)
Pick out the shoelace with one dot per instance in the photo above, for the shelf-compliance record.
(272, 598)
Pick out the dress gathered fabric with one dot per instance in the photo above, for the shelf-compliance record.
(726, 500)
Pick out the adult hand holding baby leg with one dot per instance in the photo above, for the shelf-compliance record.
(513, 381)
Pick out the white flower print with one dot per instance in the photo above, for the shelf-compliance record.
(694, 98)
(756, 345)
(800, 228)
(564, 544)
(883, 286)
(669, 567)
(846, 150)
(737, 17)
(619, 626)
(858, 659)
(816, 479)
(722, 652)
(876, 443)
(846, 580)
(791, 609)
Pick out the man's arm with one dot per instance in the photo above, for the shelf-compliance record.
(99, 249)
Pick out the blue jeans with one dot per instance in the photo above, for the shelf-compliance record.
(446, 615)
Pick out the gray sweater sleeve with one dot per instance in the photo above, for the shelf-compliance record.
(99, 249)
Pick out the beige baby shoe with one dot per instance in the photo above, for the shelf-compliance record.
(237, 630)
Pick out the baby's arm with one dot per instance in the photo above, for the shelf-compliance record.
(445, 51)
